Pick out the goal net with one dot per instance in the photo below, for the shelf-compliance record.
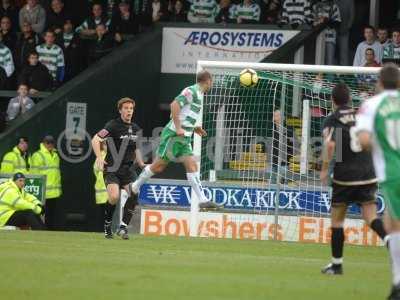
(262, 156)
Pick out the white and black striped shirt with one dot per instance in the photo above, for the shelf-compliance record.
(296, 12)
(329, 10)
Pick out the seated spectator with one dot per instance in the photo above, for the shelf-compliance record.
(36, 75)
(370, 58)
(156, 11)
(88, 27)
(34, 14)
(383, 36)
(25, 44)
(392, 51)
(367, 81)
(6, 60)
(101, 45)
(327, 11)
(71, 44)
(248, 12)
(125, 23)
(178, 13)
(370, 42)
(20, 104)
(202, 11)
(52, 57)
(56, 16)
(8, 9)
(225, 12)
(24, 212)
(273, 10)
(9, 36)
(296, 13)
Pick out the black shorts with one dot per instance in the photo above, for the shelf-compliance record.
(125, 175)
(353, 194)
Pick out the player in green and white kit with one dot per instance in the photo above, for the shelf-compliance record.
(176, 138)
(378, 128)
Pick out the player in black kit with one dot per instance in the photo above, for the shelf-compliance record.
(118, 166)
(353, 179)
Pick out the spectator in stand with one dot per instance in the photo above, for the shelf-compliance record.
(248, 12)
(296, 13)
(6, 62)
(36, 75)
(346, 8)
(26, 43)
(225, 12)
(52, 57)
(20, 104)
(272, 12)
(9, 36)
(125, 23)
(202, 11)
(34, 14)
(178, 13)
(365, 81)
(370, 42)
(326, 11)
(101, 45)
(392, 51)
(88, 27)
(370, 58)
(56, 16)
(8, 9)
(71, 44)
(156, 11)
(383, 36)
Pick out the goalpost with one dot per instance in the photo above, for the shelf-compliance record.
(264, 143)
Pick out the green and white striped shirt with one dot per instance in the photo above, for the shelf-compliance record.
(6, 60)
(247, 12)
(190, 100)
(52, 57)
(203, 8)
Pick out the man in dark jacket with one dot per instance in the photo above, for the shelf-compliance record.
(36, 75)
(26, 44)
(101, 45)
(71, 44)
(125, 23)
(9, 36)
(56, 16)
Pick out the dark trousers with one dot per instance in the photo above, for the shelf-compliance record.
(26, 218)
(50, 216)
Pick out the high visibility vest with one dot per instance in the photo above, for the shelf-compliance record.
(13, 199)
(100, 186)
(14, 162)
(47, 163)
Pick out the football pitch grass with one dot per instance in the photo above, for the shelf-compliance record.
(61, 265)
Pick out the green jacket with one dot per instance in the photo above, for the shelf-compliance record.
(13, 199)
(47, 163)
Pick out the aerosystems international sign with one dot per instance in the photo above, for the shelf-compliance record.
(291, 200)
(183, 47)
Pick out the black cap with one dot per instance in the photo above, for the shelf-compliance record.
(49, 139)
(18, 175)
(124, 2)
